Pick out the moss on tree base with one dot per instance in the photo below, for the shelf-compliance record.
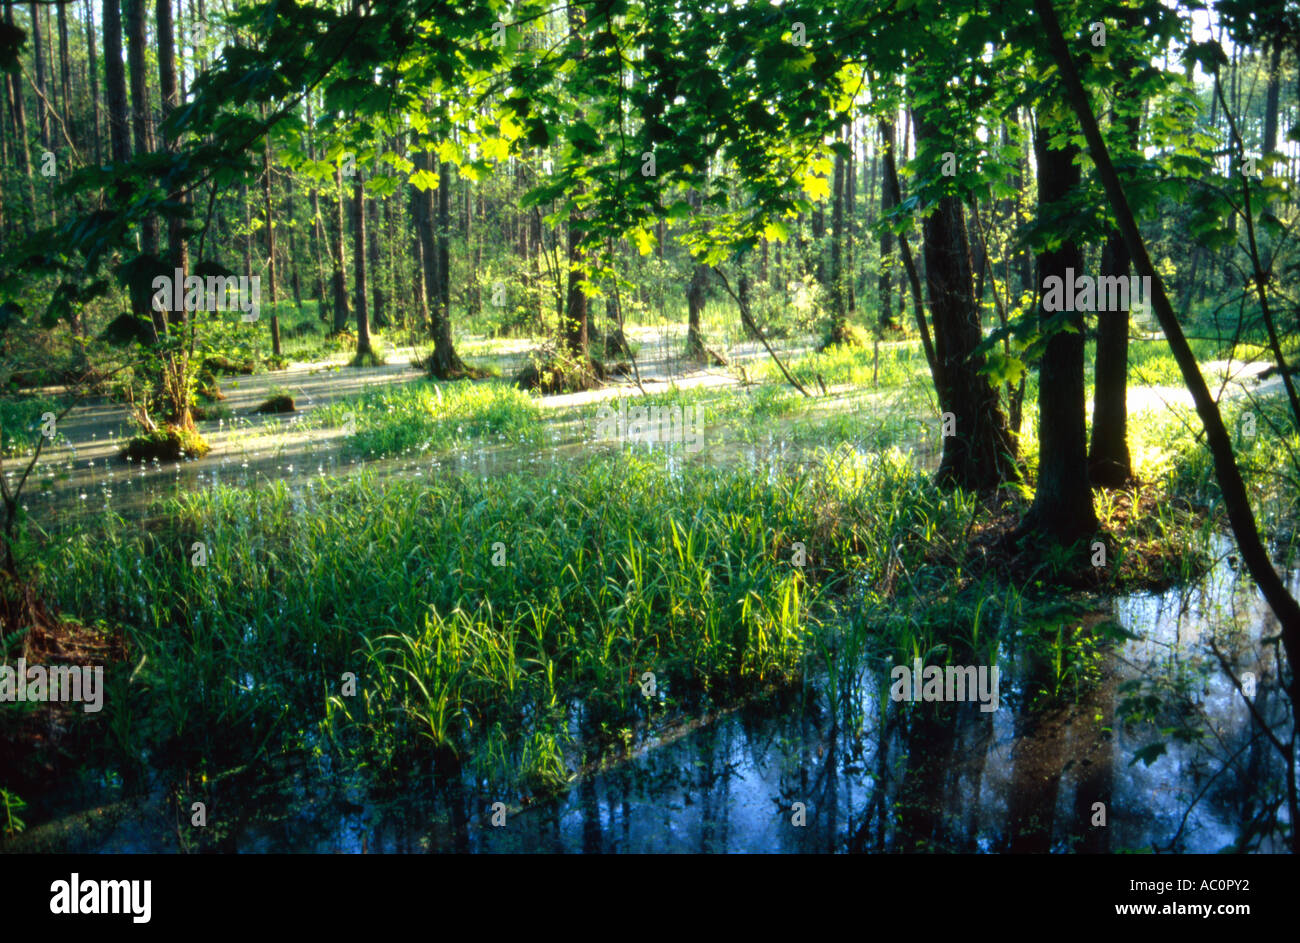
(170, 443)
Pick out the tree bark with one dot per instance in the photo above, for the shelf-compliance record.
(839, 299)
(1062, 508)
(887, 203)
(142, 132)
(92, 67)
(378, 302)
(341, 312)
(21, 145)
(981, 455)
(359, 261)
(38, 52)
(1231, 486)
(270, 240)
(115, 83)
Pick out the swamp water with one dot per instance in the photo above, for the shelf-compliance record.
(860, 774)
(871, 775)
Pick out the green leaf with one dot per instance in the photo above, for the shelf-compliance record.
(1149, 754)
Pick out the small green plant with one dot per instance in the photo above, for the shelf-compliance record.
(12, 806)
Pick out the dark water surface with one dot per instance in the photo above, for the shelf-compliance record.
(881, 776)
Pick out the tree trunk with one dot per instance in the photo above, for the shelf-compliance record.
(444, 363)
(115, 83)
(887, 203)
(92, 67)
(142, 131)
(839, 295)
(42, 96)
(65, 73)
(444, 242)
(359, 261)
(1062, 508)
(378, 302)
(695, 292)
(295, 276)
(340, 262)
(980, 455)
(574, 329)
(19, 112)
(270, 239)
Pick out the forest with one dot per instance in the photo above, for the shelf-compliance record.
(649, 425)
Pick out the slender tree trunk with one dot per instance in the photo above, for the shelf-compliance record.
(92, 68)
(839, 295)
(444, 241)
(295, 278)
(850, 220)
(21, 144)
(359, 261)
(341, 312)
(270, 241)
(378, 302)
(43, 94)
(317, 225)
(65, 74)
(887, 203)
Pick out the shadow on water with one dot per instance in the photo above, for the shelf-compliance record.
(905, 777)
(1161, 754)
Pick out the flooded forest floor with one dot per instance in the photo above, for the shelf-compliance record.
(416, 616)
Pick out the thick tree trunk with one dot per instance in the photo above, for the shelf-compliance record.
(1233, 489)
(444, 363)
(142, 132)
(1062, 508)
(574, 329)
(115, 84)
(980, 454)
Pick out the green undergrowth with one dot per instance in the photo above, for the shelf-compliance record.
(476, 615)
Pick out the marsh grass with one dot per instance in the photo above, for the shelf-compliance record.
(424, 416)
(607, 570)
(502, 624)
